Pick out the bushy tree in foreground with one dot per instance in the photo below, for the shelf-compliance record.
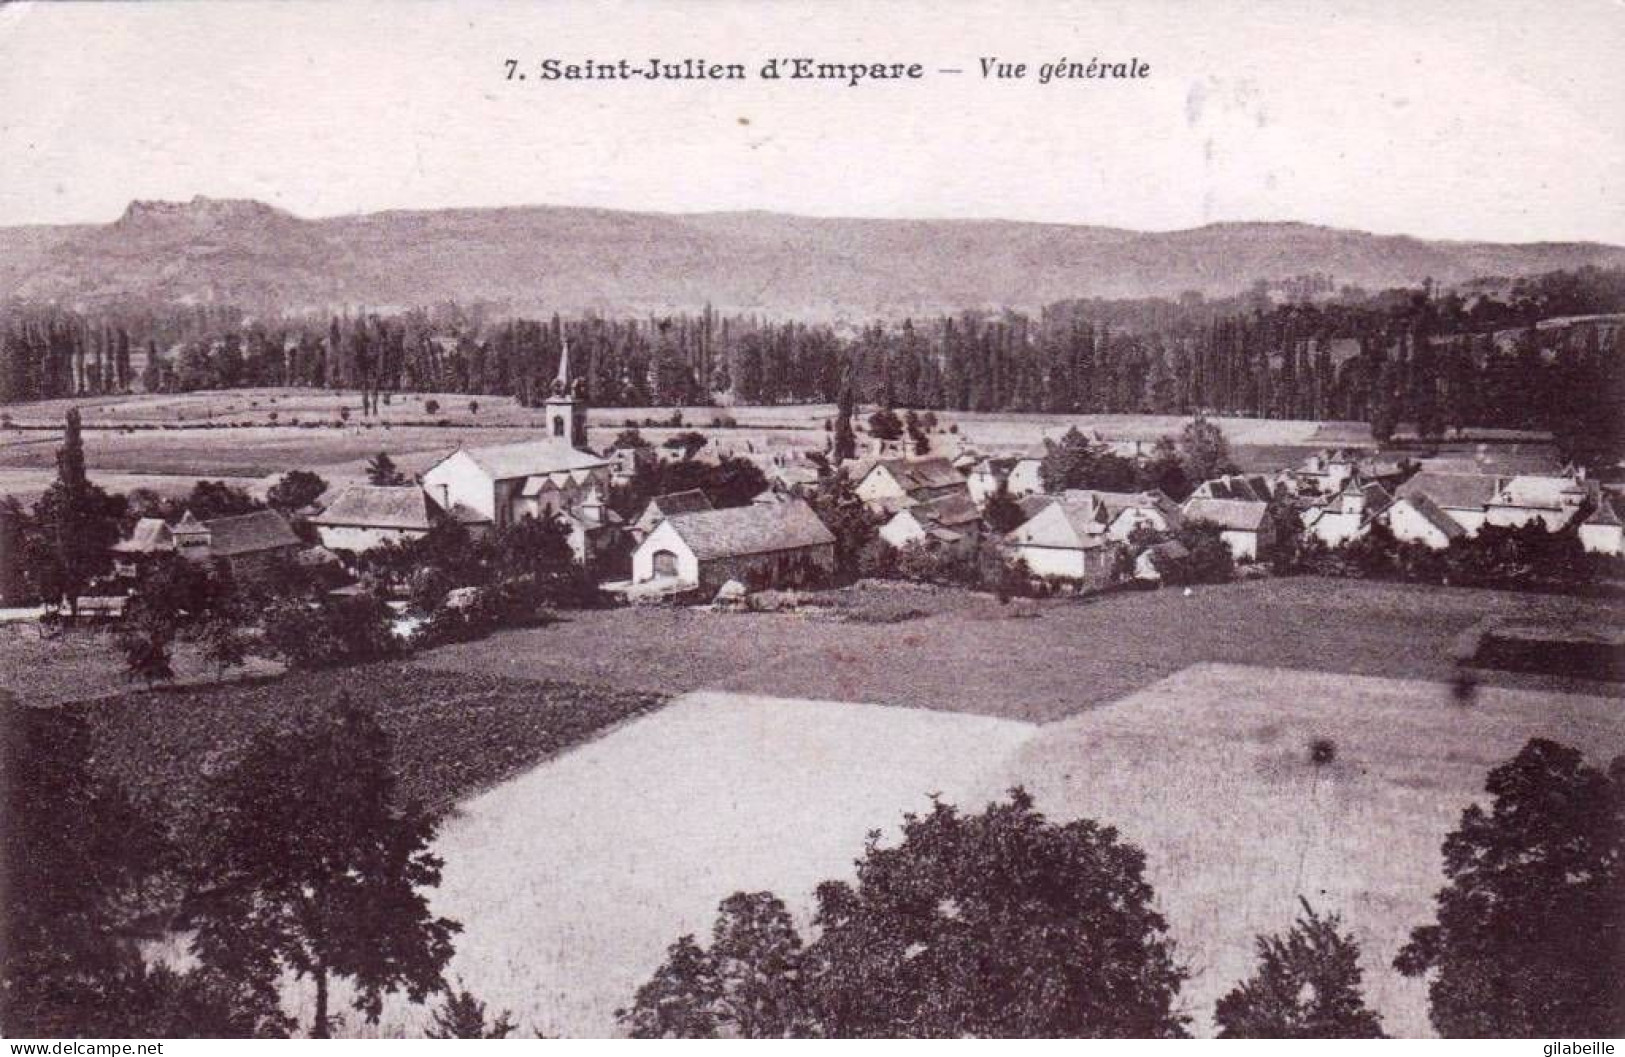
(999, 924)
(1307, 987)
(1529, 935)
(746, 984)
(306, 864)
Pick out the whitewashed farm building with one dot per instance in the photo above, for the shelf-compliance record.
(758, 545)
(1065, 538)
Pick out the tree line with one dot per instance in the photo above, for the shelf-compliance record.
(1436, 359)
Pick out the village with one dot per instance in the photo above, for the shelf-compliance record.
(685, 547)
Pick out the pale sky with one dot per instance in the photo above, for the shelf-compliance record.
(1492, 119)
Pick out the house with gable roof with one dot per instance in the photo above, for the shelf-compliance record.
(1554, 501)
(247, 542)
(662, 507)
(1065, 537)
(951, 521)
(889, 485)
(761, 545)
(1348, 514)
(1465, 497)
(364, 516)
(1416, 518)
(1244, 524)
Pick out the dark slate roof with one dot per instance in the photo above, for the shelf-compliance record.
(1031, 504)
(1435, 516)
(674, 503)
(756, 529)
(1376, 496)
(1238, 486)
(1452, 491)
(927, 474)
(1072, 525)
(378, 506)
(1237, 515)
(263, 530)
(956, 508)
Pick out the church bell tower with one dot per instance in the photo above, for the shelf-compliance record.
(566, 405)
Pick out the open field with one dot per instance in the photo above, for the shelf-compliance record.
(572, 878)
(1209, 772)
(1031, 662)
(253, 435)
(165, 441)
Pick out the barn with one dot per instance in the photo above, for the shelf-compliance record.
(362, 517)
(761, 545)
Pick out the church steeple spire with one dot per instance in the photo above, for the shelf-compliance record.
(561, 383)
(566, 413)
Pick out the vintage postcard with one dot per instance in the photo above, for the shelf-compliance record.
(807, 519)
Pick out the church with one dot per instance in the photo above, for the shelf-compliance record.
(494, 487)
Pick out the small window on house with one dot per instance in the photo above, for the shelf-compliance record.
(558, 425)
(665, 563)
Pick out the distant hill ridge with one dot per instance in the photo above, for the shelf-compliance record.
(572, 260)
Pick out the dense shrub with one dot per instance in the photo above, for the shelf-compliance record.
(330, 632)
(1495, 556)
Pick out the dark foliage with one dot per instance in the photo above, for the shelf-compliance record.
(308, 864)
(727, 482)
(295, 490)
(74, 895)
(330, 632)
(998, 925)
(381, 470)
(1307, 986)
(1438, 359)
(463, 1016)
(849, 519)
(68, 541)
(1528, 939)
